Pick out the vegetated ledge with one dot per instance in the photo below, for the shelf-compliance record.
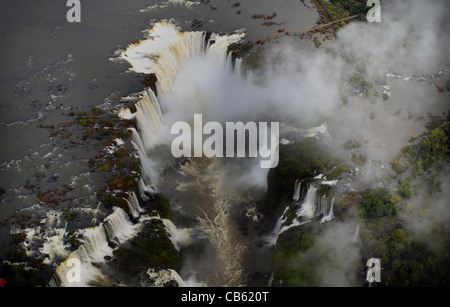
(333, 10)
(151, 247)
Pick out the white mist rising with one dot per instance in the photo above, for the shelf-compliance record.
(411, 40)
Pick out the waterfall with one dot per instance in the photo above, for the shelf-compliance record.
(148, 117)
(295, 223)
(330, 214)
(238, 68)
(279, 228)
(297, 187)
(133, 204)
(356, 236)
(178, 237)
(140, 148)
(269, 284)
(116, 228)
(166, 48)
(322, 206)
(229, 62)
(309, 205)
(93, 250)
(163, 52)
(280, 222)
(309, 208)
(148, 173)
(273, 237)
(218, 50)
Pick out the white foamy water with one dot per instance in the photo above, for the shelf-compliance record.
(179, 237)
(162, 277)
(168, 4)
(116, 228)
(163, 52)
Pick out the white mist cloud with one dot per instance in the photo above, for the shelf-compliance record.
(306, 87)
(341, 256)
(428, 216)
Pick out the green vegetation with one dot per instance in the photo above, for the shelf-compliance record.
(336, 10)
(362, 85)
(406, 189)
(317, 42)
(124, 182)
(406, 262)
(291, 245)
(430, 155)
(349, 7)
(378, 203)
(71, 215)
(110, 201)
(162, 205)
(352, 144)
(151, 248)
(337, 171)
(330, 11)
(74, 240)
(297, 161)
(23, 270)
(407, 259)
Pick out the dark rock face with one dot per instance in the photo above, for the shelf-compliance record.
(172, 284)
